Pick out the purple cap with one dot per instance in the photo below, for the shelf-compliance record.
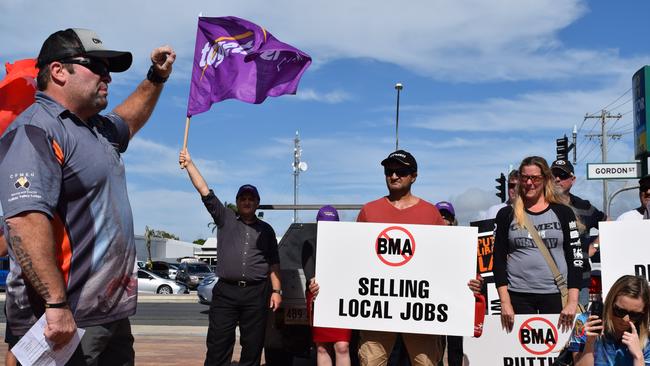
(444, 205)
(327, 213)
(248, 188)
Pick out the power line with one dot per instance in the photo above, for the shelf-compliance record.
(614, 141)
(584, 136)
(623, 132)
(584, 157)
(615, 100)
(620, 105)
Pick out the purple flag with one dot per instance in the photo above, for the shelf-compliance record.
(235, 58)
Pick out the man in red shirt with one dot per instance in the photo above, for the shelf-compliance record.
(400, 206)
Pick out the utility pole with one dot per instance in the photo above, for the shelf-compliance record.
(575, 143)
(298, 167)
(604, 116)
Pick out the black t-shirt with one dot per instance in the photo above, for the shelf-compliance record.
(589, 216)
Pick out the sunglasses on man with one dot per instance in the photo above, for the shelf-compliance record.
(621, 313)
(400, 172)
(95, 65)
(561, 174)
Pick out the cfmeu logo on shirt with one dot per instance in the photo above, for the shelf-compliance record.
(21, 180)
(395, 246)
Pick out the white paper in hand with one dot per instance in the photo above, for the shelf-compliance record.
(34, 350)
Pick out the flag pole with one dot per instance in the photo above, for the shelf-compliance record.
(187, 130)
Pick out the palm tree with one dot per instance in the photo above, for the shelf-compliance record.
(148, 234)
(231, 206)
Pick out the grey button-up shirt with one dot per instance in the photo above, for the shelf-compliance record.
(244, 251)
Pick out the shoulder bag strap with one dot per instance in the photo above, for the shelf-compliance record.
(557, 275)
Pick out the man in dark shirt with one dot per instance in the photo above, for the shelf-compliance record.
(247, 257)
(587, 215)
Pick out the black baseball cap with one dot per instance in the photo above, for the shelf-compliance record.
(563, 165)
(74, 42)
(403, 157)
(644, 183)
(248, 188)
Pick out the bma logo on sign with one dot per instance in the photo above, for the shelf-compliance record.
(538, 336)
(395, 246)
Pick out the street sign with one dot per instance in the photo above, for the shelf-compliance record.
(614, 170)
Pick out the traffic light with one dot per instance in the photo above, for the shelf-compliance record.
(501, 188)
(562, 148)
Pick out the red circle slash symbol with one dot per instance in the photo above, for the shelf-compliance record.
(397, 246)
(534, 336)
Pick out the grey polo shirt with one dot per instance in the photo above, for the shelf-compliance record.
(72, 172)
(244, 251)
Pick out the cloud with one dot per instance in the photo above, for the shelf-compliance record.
(153, 160)
(527, 112)
(469, 40)
(333, 97)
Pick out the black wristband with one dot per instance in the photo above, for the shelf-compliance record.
(276, 291)
(154, 77)
(57, 305)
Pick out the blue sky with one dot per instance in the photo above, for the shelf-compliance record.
(485, 84)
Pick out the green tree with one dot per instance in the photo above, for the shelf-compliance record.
(163, 234)
(232, 206)
(199, 241)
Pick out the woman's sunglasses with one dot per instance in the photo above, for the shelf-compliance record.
(621, 313)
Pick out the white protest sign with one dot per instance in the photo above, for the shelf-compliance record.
(394, 277)
(535, 340)
(624, 250)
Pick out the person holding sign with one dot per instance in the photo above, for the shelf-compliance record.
(522, 275)
(326, 339)
(621, 336)
(247, 259)
(402, 207)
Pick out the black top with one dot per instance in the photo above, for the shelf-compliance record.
(244, 251)
(589, 216)
(309, 259)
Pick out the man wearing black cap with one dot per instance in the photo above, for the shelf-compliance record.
(402, 207)
(640, 212)
(63, 193)
(588, 218)
(247, 257)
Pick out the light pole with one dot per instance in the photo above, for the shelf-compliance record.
(398, 87)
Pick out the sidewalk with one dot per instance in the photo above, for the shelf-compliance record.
(153, 298)
(165, 345)
(160, 344)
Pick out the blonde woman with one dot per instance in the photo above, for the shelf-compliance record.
(523, 278)
(625, 324)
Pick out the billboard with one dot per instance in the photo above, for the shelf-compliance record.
(640, 106)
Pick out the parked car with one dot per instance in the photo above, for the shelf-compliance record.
(192, 273)
(152, 283)
(160, 268)
(204, 289)
(173, 269)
